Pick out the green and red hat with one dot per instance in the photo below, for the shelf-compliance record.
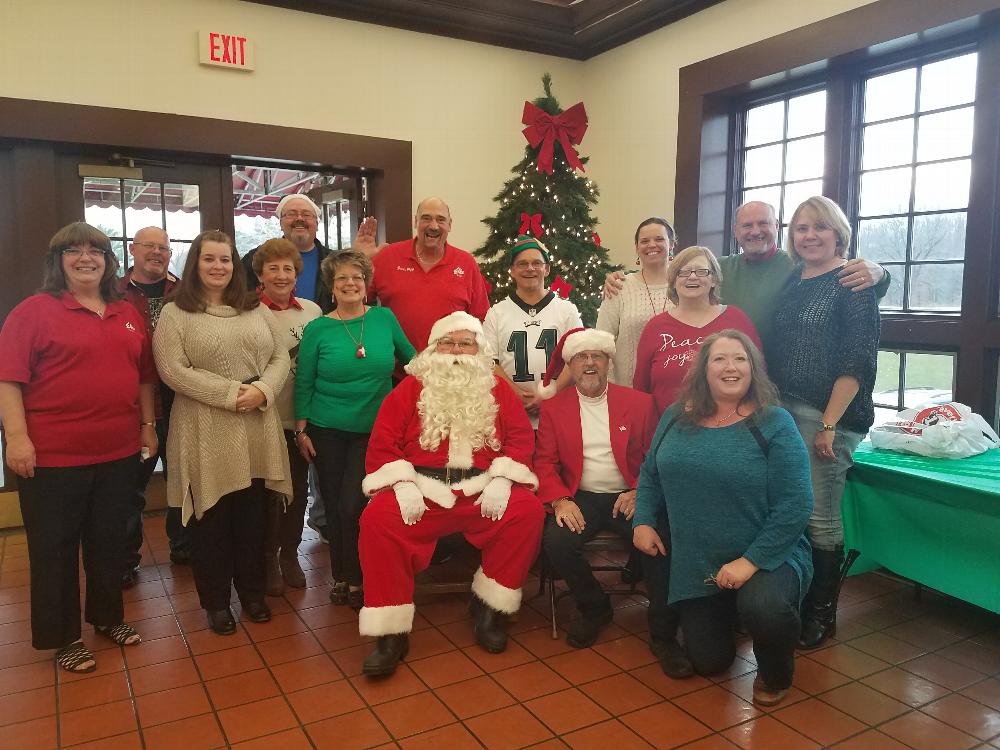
(527, 242)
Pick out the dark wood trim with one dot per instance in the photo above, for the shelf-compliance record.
(204, 139)
(577, 32)
(886, 31)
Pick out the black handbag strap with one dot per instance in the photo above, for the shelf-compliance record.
(765, 447)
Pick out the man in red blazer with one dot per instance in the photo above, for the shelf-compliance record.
(591, 441)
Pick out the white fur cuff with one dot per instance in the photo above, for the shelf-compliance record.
(516, 472)
(435, 490)
(388, 475)
(501, 598)
(546, 392)
(374, 621)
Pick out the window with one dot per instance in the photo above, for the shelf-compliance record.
(906, 379)
(916, 160)
(783, 152)
(120, 208)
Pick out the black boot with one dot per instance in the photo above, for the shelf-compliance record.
(491, 626)
(819, 613)
(673, 661)
(389, 651)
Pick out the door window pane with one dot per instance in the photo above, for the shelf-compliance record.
(935, 286)
(948, 82)
(939, 237)
(807, 114)
(942, 185)
(887, 144)
(927, 377)
(804, 158)
(885, 192)
(893, 299)
(102, 205)
(762, 166)
(890, 95)
(881, 240)
(945, 135)
(765, 124)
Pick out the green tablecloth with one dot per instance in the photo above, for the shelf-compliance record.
(936, 521)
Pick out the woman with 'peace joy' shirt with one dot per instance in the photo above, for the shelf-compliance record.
(670, 340)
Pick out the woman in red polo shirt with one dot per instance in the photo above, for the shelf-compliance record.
(76, 400)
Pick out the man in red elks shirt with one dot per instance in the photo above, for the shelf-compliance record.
(422, 279)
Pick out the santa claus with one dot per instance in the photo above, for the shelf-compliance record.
(450, 452)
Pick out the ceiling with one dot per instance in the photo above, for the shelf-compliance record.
(576, 29)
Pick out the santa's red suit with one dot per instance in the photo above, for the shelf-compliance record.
(393, 552)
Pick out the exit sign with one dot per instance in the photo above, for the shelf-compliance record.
(225, 49)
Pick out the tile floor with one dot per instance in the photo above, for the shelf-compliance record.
(902, 674)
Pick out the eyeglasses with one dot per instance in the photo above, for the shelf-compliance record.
(532, 264)
(90, 252)
(590, 357)
(464, 344)
(341, 279)
(153, 246)
(307, 214)
(700, 272)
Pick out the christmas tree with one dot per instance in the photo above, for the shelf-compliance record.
(549, 198)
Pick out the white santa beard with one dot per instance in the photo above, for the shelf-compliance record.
(456, 403)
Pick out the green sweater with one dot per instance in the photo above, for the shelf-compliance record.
(748, 505)
(754, 287)
(333, 386)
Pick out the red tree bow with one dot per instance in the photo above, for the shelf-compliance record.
(543, 129)
(531, 224)
(561, 287)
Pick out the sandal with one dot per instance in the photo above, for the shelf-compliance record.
(122, 634)
(76, 658)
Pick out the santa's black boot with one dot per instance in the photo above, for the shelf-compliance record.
(389, 651)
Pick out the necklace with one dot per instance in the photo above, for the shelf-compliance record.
(360, 353)
(719, 422)
(650, 295)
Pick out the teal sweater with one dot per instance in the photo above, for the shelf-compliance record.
(335, 388)
(719, 509)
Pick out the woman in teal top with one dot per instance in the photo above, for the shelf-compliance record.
(731, 471)
(345, 365)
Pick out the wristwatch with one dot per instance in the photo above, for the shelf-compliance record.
(828, 427)
(297, 433)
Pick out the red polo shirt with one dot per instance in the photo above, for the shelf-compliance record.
(79, 377)
(420, 298)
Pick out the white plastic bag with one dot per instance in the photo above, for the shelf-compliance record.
(949, 430)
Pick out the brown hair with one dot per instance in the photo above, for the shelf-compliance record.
(277, 249)
(682, 259)
(74, 235)
(189, 294)
(695, 394)
(828, 212)
(349, 257)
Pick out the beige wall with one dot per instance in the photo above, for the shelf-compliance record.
(459, 103)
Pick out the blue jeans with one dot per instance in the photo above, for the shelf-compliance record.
(825, 529)
(768, 605)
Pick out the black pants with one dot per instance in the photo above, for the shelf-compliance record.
(63, 507)
(768, 606)
(228, 548)
(564, 549)
(284, 523)
(340, 463)
(176, 532)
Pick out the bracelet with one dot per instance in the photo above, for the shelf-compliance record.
(296, 434)
(828, 427)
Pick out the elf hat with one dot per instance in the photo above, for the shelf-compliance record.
(527, 242)
(573, 342)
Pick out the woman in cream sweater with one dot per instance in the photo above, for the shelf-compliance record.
(217, 347)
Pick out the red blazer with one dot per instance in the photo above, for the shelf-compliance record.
(559, 442)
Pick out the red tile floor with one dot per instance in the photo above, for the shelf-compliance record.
(902, 674)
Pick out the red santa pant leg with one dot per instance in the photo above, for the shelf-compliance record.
(392, 553)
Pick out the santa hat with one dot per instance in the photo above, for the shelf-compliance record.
(573, 342)
(458, 321)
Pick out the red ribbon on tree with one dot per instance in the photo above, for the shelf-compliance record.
(543, 130)
(531, 224)
(561, 287)
(597, 238)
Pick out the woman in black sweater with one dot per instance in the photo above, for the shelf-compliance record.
(822, 357)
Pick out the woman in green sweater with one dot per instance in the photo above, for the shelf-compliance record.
(736, 525)
(345, 366)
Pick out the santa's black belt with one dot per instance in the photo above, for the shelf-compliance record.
(446, 475)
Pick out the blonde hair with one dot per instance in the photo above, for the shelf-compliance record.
(682, 259)
(828, 212)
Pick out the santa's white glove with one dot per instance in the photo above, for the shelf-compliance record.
(411, 502)
(493, 499)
